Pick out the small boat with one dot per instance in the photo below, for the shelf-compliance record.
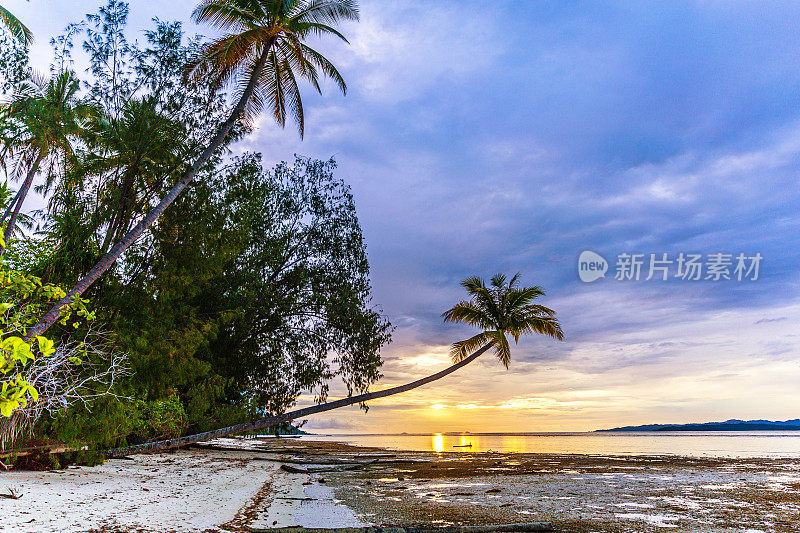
(462, 445)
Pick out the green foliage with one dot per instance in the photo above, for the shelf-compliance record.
(301, 284)
(158, 419)
(146, 125)
(42, 121)
(22, 299)
(252, 288)
(13, 62)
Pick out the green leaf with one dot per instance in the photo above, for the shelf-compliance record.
(7, 407)
(45, 346)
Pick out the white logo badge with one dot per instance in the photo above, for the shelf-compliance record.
(591, 266)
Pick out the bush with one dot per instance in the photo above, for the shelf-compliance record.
(158, 419)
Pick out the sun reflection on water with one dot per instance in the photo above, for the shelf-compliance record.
(437, 443)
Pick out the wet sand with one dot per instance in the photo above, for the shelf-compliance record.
(575, 492)
(237, 484)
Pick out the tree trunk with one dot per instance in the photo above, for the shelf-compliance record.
(10, 207)
(20, 198)
(118, 249)
(157, 446)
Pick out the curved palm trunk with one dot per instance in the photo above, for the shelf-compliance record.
(10, 207)
(292, 415)
(118, 249)
(19, 199)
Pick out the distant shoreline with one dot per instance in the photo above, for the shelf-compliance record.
(728, 425)
(669, 429)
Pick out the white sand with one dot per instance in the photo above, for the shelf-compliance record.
(184, 491)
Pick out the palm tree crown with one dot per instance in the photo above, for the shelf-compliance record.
(43, 119)
(38, 127)
(270, 33)
(503, 308)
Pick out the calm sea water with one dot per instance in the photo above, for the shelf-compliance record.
(693, 444)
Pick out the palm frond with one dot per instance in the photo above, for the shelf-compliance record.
(501, 347)
(472, 284)
(317, 29)
(226, 57)
(462, 349)
(498, 280)
(16, 27)
(325, 11)
(467, 313)
(521, 297)
(292, 95)
(327, 68)
(227, 14)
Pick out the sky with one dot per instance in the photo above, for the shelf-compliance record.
(485, 137)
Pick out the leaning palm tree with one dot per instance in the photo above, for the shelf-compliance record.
(263, 54)
(17, 28)
(42, 122)
(499, 310)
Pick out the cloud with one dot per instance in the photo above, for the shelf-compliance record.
(511, 136)
(769, 320)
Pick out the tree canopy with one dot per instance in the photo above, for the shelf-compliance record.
(253, 289)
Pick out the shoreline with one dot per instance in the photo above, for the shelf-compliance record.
(237, 484)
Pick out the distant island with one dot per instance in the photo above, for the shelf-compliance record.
(728, 425)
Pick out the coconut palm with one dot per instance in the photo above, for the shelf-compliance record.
(43, 120)
(17, 28)
(263, 54)
(499, 310)
(136, 151)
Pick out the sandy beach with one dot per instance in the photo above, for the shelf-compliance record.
(181, 491)
(238, 485)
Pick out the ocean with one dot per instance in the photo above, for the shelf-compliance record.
(742, 444)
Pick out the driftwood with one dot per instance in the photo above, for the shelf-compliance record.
(226, 448)
(255, 448)
(12, 495)
(311, 470)
(503, 528)
(295, 461)
(294, 451)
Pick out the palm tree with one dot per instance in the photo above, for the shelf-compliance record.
(501, 309)
(263, 54)
(43, 119)
(141, 147)
(17, 28)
